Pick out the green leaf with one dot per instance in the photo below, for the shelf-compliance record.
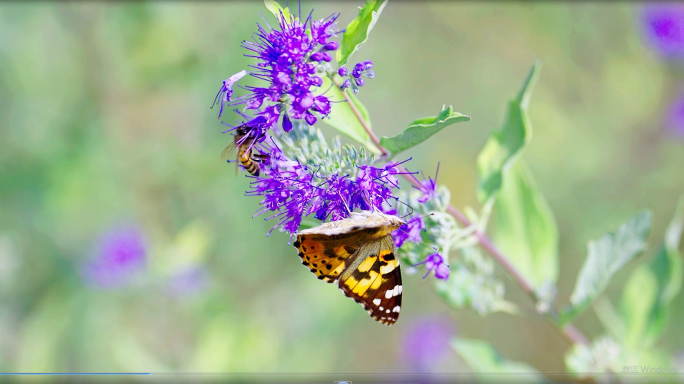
(421, 129)
(606, 256)
(504, 145)
(526, 229)
(45, 329)
(358, 30)
(343, 119)
(651, 288)
(483, 359)
(276, 9)
(672, 265)
(639, 299)
(609, 317)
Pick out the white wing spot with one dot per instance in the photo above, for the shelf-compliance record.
(388, 294)
(396, 290)
(376, 301)
(382, 309)
(387, 311)
(396, 309)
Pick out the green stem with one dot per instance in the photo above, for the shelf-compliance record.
(572, 334)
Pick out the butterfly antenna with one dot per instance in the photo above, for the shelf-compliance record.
(409, 207)
(420, 218)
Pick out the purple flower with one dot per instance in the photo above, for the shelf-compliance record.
(322, 105)
(409, 231)
(414, 223)
(435, 262)
(346, 84)
(187, 282)
(120, 252)
(429, 187)
(287, 124)
(227, 90)
(426, 343)
(322, 30)
(662, 25)
(294, 191)
(675, 116)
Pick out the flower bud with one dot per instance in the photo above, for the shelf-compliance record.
(331, 46)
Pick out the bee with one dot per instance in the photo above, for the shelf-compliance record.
(244, 142)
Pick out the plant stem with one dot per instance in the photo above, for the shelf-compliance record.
(363, 122)
(572, 334)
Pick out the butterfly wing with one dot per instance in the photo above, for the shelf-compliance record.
(357, 222)
(327, 256)
(373, 279)
(360, 254)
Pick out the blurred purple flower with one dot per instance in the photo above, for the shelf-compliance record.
(674, 119)
(120, 252)
(662, 25)
(187, 282)
(426, 343)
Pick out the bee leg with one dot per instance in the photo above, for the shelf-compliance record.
(259, 158)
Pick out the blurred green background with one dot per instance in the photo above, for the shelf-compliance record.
(105, 119)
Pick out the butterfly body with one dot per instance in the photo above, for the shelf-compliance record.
(359, 254)
(244, 142)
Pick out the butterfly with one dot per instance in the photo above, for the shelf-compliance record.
(360, 255)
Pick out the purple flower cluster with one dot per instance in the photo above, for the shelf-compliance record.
(663, 28)
(295, 191)
(120, 252)
(361, 70)
(415, 224)
(287, 58)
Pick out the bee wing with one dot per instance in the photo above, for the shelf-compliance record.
(225, 155)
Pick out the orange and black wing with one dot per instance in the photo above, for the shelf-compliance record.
(373, 279)
(326, 256)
